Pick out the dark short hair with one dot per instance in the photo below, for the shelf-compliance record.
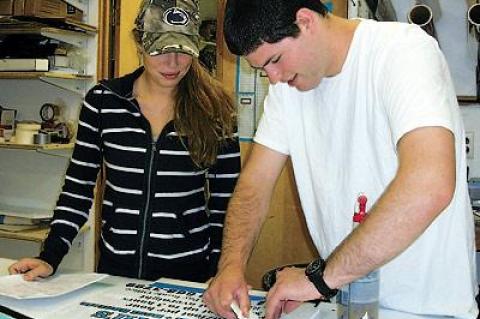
(249, 23)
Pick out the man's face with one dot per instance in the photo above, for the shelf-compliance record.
(295, 61)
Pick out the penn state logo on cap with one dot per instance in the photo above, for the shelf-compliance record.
(169, 26)
(175, 16)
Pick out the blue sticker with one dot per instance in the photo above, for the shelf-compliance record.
(329, 6)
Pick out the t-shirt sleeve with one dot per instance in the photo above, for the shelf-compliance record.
(417, 89)
(272, 130)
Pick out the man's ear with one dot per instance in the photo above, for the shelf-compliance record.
(305, 18)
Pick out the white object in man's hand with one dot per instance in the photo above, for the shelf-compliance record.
(238, 312)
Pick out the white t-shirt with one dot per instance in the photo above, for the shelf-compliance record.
(342, 139)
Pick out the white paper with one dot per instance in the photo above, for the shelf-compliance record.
(4, 264)
(15, 286)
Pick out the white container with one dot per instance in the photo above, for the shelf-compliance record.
(25, 131)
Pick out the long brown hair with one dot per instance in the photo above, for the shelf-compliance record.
(204, 113)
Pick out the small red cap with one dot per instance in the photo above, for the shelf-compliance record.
(359, 217)
(362, 209)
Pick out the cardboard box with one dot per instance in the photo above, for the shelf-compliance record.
(6, 7)
(74, 13)
(42, 9)
(18, 7)
(45, 8)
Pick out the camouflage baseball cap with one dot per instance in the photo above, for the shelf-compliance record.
(169, 26)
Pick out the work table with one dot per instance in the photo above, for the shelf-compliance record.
(118, 297)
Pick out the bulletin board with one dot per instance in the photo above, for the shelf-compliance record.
(459, 46)
(252, 88)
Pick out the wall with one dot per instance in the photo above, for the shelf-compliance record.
(471, 118)
(127, 58)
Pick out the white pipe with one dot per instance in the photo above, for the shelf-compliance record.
(420, 15)
(473, 16)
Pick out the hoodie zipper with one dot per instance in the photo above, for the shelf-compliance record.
(153, 151)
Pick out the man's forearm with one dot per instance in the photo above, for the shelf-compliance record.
(246, 213)
(248, 207)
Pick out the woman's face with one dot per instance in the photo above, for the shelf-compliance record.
(167, 69)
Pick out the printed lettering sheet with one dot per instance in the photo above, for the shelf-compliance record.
(157, 300)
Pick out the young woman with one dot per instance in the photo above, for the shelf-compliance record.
(165, 136)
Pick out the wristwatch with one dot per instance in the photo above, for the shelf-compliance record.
(314, 273)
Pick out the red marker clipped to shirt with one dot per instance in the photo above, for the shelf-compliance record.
(360, 213)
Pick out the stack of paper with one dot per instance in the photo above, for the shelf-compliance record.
(16, 223)
(24, 65)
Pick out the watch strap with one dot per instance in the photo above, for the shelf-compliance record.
(317, 279)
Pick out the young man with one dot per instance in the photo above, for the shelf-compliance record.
(360, 107)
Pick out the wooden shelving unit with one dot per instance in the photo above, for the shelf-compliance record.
(38, 75)
(467, 100)
(32, 174)
(37, 235)
(30, 24)
(51, 146)
(73, 82)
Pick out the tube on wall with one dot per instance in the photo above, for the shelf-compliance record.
(473, 17)
(422, 15)
(382, 10)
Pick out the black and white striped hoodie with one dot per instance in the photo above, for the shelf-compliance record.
(157, 220)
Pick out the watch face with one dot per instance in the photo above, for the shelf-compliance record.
(314, 266)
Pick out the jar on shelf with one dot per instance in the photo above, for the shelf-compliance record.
(25, 131)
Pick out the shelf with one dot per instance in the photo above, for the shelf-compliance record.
(35, 147)
(43, 75)
(26, 211)
(36, 235)
(76, 83)
(467, 99)
(35, 23)
(75, 38)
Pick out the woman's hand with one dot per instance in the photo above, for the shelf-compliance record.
(31, 268)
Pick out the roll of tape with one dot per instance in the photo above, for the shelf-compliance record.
(25, 132)
(41, 138)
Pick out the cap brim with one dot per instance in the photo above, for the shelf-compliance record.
(172, 42)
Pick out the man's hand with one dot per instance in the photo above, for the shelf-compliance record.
(290, 290)
(31, 268)
(229, 285)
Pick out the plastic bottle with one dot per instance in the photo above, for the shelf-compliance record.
(360, 298)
